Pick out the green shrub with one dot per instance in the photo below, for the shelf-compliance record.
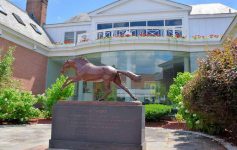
(175, 90)
(212, 93)
(55, 93)
(154, 112)
(16, 105)
(175, 95)
(6, 62)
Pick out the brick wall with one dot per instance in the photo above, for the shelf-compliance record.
(29, 67)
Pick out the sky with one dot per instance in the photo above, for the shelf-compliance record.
(62, 10)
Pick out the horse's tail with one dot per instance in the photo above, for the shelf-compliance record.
(131, 75)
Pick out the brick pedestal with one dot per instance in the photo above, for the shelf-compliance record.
(98, 126)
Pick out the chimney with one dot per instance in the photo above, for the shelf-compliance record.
(37, 10)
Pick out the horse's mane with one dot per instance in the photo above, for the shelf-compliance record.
(81, 60)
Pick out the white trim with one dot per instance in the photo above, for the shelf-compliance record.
(131, 45)
(229, 29)
(138, 13)
(67, 24)
(119, 2)
(22, 40)
(202, 16)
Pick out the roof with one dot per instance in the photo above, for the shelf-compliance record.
(84, 17)
(118, 2)
(211, 8)
(9, 21)
(232, 29)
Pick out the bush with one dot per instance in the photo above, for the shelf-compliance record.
(6, 62)
(55, 93)
(212, 93)
(17, 106)
(175, 95)
(154, 112)
(175, 91)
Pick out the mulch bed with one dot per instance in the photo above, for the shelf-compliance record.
(168, 125)
(32, 121)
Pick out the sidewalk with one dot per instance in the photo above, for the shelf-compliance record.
(36, 137)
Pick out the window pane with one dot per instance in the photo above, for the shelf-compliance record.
(69, 38)
(100, 35)
(2, 10)
(35, 28)
(122, 24)
(108, 34)
(152, 32)
(104, 26)
(178, 33)
(138, 32)
(18, 18)
(156, 23)
(138, 23)
(174, 22)
(169, 32)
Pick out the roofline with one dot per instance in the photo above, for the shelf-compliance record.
(103, 6)
(211, 15)
(65, 24)
(170, 1)
(16, 6)
(230, 27)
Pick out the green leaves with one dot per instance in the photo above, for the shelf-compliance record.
(17, 105)
(211, 94)
(154, 112)
(56, 93)
(175, 91)
(6, 63)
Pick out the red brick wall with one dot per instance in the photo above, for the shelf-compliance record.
(29, 67)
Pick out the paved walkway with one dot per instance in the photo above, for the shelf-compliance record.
(35, 137)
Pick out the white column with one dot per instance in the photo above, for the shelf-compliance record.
(186, 64)
(128, 80)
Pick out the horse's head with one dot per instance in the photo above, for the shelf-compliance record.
(67, 64)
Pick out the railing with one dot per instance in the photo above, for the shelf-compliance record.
(131, 31)
(175, 32)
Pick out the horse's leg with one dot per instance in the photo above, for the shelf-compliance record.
(69, 81)
(107, 90)
(119, 83)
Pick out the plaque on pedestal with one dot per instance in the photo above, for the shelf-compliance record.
(98, 126)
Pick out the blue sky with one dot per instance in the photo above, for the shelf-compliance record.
(61, 10)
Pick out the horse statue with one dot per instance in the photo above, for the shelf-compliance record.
(86, 71)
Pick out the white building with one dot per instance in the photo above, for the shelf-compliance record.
(154, 38)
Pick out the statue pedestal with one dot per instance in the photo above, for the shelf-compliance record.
(98, 126)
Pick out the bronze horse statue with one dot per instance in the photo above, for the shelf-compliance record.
(86, 71)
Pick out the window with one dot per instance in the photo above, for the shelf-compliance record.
(174, 22)
(156, 23)
(18, 18)
(138, 23)
(122, 24)
(170, 33)
(100, 35)
(178, 33)
(81, 35)
(69, 38)
(104, 26)
(108, 34)
(155, 32)
(2, 11)
(35, 28)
